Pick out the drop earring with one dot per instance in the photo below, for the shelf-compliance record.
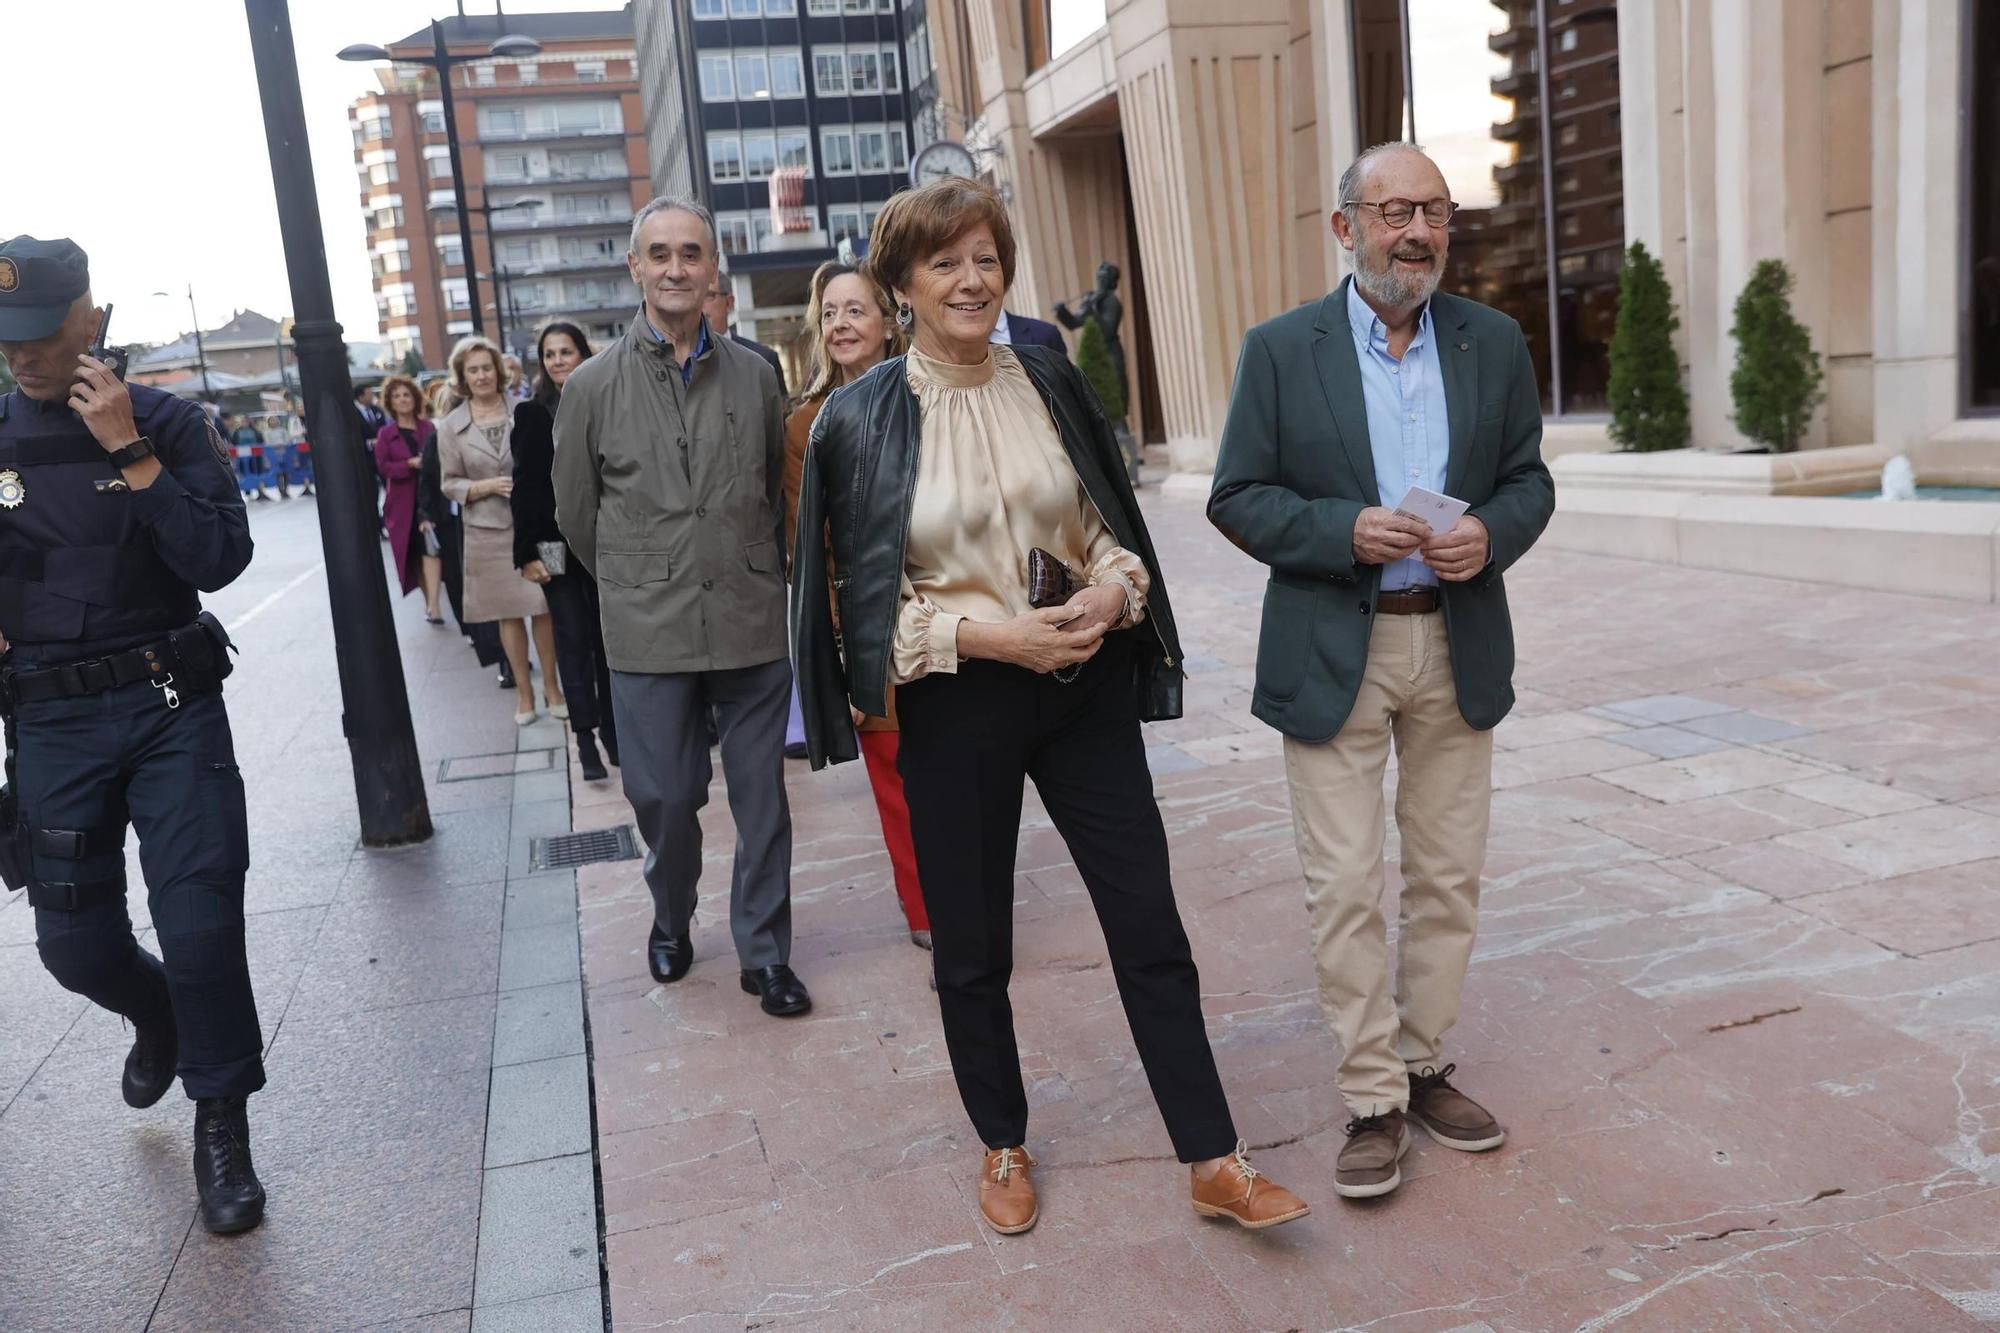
(906, 318)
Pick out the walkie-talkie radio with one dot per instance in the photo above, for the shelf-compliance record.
(112, 356)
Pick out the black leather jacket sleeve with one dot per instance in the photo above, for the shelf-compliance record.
(822, 677)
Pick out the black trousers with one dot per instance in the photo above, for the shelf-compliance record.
(92, 764)
(968, 741)
(586, 676)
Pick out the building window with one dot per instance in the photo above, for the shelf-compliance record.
(450, 255)
(864, 71)
(781, 9)
(502, 122)
(830, 73)
(822, 8)
(716, 83)
(725, 158)
(483, 76)
(430, 116)
(761, 229)
(753, 76)
(590, 71)
(788, 78)
(1981, 351)
(708, 9)
(760, 157)
(794, 150)
(745, 9)
(507, 168)
(732, 232)
(1509, 181)
(382, 173)
(437, 162)
(836, 152)
(528, 73)
(842, 222)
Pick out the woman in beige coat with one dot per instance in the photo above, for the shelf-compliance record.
(476, 463)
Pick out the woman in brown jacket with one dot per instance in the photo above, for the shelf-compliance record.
(856, 332)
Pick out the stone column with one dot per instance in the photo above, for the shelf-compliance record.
(1918, 213)
(1204, 109)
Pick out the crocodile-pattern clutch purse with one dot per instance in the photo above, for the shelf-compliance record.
(1050, 582)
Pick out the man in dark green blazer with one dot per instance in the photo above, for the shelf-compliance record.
(1379, 631)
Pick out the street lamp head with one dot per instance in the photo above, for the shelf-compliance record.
(515, 47)
(363, 51)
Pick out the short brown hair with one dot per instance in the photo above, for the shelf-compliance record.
(420, 408)
(918, 223)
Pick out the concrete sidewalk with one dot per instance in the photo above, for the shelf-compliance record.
(1734, 997)
(425, 1135)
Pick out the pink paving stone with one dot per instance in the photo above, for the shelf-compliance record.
(1717, 821)
(1898, 844)
(1778, 870)
(1942, 908)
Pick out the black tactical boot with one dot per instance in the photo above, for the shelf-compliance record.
(231, 1198)
(149, 1068)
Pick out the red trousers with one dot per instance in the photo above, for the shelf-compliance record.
(878, 748)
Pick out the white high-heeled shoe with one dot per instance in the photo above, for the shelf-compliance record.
(523, 719)
(560, 712)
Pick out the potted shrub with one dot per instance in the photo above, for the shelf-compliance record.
(1649, 404)
(1776, 385)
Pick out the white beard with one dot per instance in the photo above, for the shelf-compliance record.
(1389, 286)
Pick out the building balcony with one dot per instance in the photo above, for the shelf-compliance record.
(1514, 83)
(1507, 131)
(568, 176)
(1510, 39)
(1526, 164)
(547, 219)
(532, 135)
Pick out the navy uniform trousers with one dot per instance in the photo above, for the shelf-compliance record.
(91, 765)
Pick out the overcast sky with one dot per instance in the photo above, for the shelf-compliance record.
(180, 191)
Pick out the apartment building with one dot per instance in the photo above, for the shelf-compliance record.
(793, 120)
(555, 163)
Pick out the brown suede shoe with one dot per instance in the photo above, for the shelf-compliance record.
(1245, 1195)
(1006, 1194)
(1370, 1165)
(1454, 1119)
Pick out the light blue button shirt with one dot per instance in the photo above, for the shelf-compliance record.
(1408, 435)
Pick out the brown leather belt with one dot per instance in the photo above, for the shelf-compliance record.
(1407, 602)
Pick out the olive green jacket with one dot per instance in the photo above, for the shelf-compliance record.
(672, 497)
(1295, 469)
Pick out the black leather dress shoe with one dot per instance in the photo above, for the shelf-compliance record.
(669, 958)
(149, 1067)
(232, 1199)
(782, 994)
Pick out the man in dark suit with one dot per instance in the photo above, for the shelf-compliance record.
(718, 307)
(1029, 332)
(1378, 630)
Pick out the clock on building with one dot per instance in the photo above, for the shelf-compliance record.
(941, 159)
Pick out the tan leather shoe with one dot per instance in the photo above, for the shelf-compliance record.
(1453, 1119)
(1370, 1165)
(1245, 1195)
(1006, 1194)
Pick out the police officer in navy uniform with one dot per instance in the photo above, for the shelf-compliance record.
(117, 504)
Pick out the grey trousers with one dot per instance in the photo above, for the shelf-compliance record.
(663, 743)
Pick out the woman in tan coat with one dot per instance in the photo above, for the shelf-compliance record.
(476, 461)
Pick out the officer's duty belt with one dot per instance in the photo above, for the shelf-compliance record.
(93, 675)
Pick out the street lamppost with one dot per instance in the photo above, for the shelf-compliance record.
(512, 47)
(375, 717)
(200, 355)
(486, 210)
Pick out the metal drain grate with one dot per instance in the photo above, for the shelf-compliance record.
(566, 851)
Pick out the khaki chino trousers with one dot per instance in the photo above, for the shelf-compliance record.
(1444, 798)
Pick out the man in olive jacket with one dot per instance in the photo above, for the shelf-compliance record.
(1378, 630)
(669, 469)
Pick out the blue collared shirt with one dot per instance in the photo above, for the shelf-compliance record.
(700, 346)
(1408, 435)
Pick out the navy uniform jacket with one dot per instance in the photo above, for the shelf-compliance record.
(89, 566)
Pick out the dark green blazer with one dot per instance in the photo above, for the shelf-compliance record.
(1295, 470)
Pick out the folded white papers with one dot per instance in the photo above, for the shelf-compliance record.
(1436, 511)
